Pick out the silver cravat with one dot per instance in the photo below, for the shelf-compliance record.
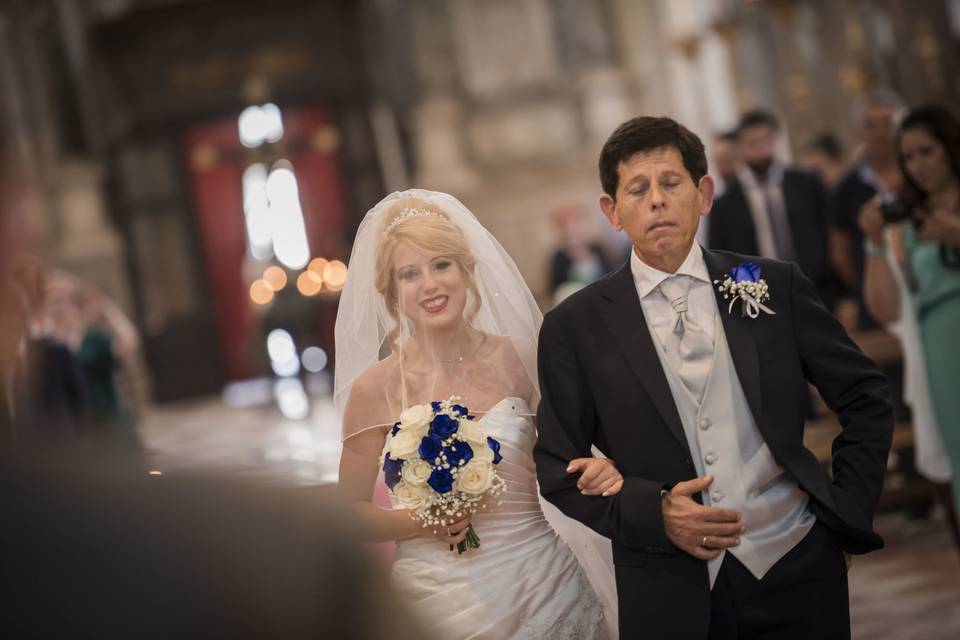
(688, 345)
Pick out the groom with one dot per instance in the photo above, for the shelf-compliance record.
(726, 526)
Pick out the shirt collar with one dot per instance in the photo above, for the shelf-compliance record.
(648, 278)
(871, 177)
(773, 176)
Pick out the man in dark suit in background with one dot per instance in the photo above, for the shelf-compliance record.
(726, 526)
(772, 210)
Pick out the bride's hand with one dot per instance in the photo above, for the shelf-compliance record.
(453, 533)
(598, 476)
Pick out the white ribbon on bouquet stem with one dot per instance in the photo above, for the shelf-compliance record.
(752, 307)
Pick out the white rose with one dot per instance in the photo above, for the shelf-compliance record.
(483, 453)
(404, 444)
(409, 496)
(472, 433)
(474, 478)
(416, 472)
(416, 418)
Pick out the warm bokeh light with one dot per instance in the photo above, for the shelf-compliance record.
(260, 292)
(335, 275)
(309, 283)
(276, 277)
(156, 472)
(317, 265)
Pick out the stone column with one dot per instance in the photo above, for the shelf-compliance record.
(437, 120)
(86, 244)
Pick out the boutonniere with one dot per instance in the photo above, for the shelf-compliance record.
(745, 284)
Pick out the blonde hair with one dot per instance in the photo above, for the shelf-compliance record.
(433, 233)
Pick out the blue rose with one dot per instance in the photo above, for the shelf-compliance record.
(440, 480)
(396, 427)
(435, 406)
(430, 448)
(460, 410)
(391, 470)
(495, 447)
(457, 452)
(745, 272)
(443, 426)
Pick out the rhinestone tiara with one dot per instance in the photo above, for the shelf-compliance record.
(412, 212)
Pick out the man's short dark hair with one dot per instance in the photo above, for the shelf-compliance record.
(756, 118)
(730, 135)
(827, 144)
(644, 134)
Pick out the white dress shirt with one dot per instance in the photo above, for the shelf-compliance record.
(701, 300)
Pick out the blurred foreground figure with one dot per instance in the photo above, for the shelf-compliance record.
(101, 549)
(95, 547)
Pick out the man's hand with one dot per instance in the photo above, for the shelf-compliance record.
(700, 531)
(599, 476)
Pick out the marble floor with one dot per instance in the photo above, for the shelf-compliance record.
(910, 590)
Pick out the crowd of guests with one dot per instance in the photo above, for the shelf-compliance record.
(878, 233)
(75, 368)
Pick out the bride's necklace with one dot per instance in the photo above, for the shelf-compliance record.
(460, 358)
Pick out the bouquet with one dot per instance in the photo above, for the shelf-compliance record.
(439, 463)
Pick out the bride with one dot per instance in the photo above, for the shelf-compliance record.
(434, 307)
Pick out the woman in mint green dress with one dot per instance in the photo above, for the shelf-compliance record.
(927, 244)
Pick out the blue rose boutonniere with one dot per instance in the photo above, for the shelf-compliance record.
(745, 284)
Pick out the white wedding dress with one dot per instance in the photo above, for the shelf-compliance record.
(523, 581)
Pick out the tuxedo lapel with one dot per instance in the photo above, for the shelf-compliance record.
(743, 346)
(623, 315)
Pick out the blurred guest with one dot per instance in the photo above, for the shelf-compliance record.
(875, 172)
(578, 259)
(103, 341)
(48, 394)
(771, 210)
(725, 161)
(931, 458)
(823, 156)
(924, 223)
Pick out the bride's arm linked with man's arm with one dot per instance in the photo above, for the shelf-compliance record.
(359, 469)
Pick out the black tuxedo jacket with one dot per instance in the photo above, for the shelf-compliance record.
(602, 384)
(731, 225)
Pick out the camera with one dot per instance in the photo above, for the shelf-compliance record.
(894, 209)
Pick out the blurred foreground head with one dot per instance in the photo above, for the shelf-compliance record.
(97, 548)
